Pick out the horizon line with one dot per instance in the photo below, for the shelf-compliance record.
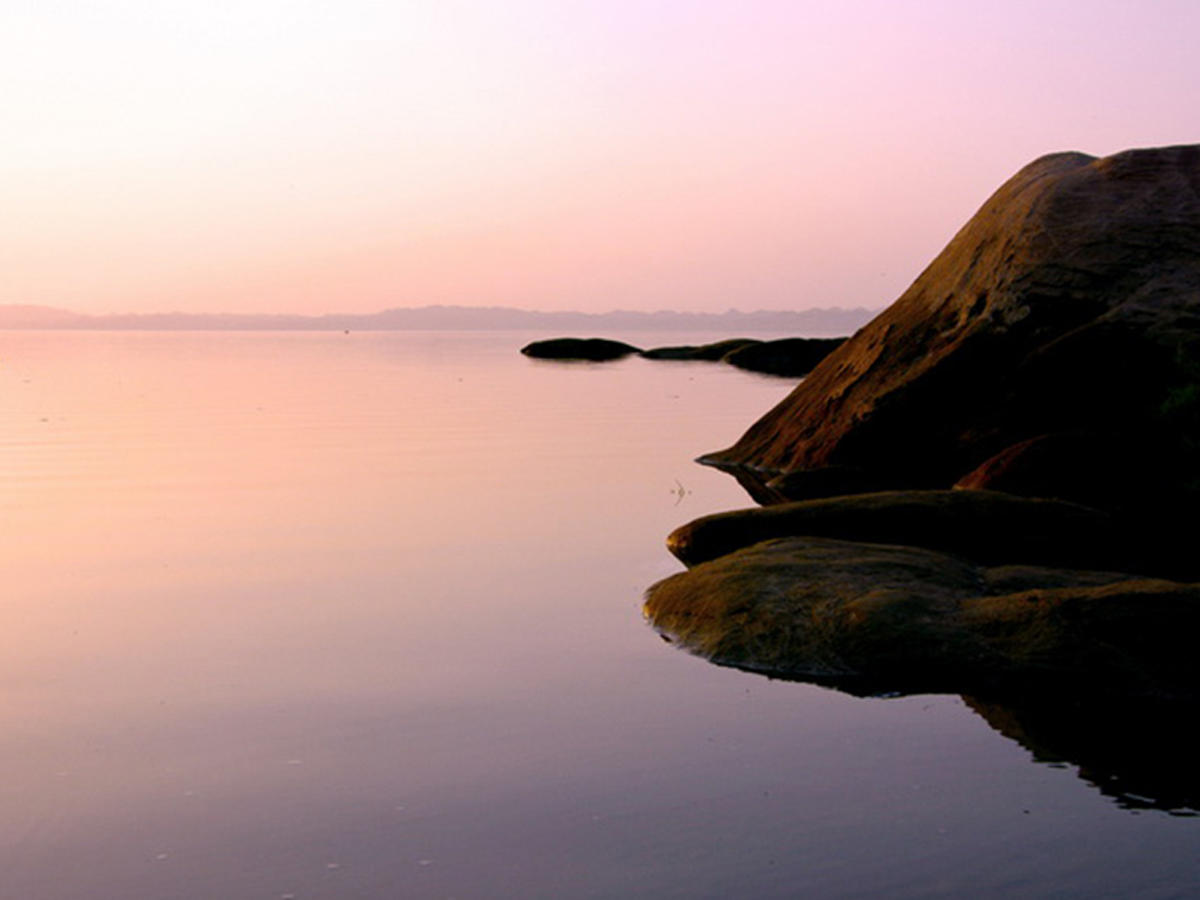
(625, 311)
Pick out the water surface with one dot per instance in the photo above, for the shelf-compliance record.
(331, 616)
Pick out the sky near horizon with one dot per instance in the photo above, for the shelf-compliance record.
(268, 156)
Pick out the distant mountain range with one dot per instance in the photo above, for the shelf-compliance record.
(830, 322)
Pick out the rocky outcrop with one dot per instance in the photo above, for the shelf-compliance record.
(873, 618)
(1051, 351)
(1069, 303)
(591, 349)
(1047, 366)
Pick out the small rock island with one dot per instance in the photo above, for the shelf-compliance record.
(587, 349)
(991, 488)
(786, 357)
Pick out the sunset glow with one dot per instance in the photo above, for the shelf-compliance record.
(315, 157)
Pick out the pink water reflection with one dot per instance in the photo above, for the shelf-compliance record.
(358, 615)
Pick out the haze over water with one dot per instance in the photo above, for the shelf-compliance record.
(325, 616)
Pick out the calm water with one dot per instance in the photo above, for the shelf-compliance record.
(339, 616)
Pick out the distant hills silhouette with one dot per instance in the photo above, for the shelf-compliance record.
(808, 322)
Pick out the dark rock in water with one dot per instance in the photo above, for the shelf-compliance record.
(707, 352)
(788, 357)
(1069, 302)
(593, 349)
(984, 526)
(873, 618)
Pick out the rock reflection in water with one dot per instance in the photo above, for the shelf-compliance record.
(1141, 753)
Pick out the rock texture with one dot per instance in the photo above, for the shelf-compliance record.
(873, 618)
(1069, 303)
(592, 349)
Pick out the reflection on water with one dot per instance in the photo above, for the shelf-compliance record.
(1141, 751)
(356, 616)
(1142, 754)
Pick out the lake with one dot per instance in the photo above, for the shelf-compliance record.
(325, 615)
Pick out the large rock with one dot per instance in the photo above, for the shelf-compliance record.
(1069, 302)
(873, 618)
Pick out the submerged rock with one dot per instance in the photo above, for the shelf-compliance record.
(872, 618)
(1069, 302)
(593, 349)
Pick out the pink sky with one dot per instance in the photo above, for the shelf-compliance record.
(293, 155)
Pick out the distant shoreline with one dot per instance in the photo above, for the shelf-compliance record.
(830, 322)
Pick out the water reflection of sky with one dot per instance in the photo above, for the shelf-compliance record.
(358, 615)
